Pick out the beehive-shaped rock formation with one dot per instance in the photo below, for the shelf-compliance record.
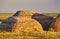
(24, 13)
(21, 21)
(55, 25)
(27, 25)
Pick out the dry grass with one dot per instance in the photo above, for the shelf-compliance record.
(4, 16)
(45, 35)
(51, 14)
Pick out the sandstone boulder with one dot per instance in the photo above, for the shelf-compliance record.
(24, 13)
(26, 25)
(44, 20)
(7, 24)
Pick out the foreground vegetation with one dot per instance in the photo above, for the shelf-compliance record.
(45, 35)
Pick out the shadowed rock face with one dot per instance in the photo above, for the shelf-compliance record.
(17, 13)
(9, 20)
(55, 25)
(7, 24)
(44, 20)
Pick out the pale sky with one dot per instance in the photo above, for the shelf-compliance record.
(35, 5)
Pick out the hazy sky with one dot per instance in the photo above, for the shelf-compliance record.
(35, 5)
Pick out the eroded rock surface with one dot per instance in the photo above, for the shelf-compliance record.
(44, 20)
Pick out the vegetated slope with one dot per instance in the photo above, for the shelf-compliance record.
(4, 16)
(51, 14)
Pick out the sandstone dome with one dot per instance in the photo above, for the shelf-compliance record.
(24, 13)
(27, 25)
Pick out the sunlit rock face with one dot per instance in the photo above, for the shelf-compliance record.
(24, 13)
(55, 25)
(0, 22)
(44, 20)
(27, 25)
